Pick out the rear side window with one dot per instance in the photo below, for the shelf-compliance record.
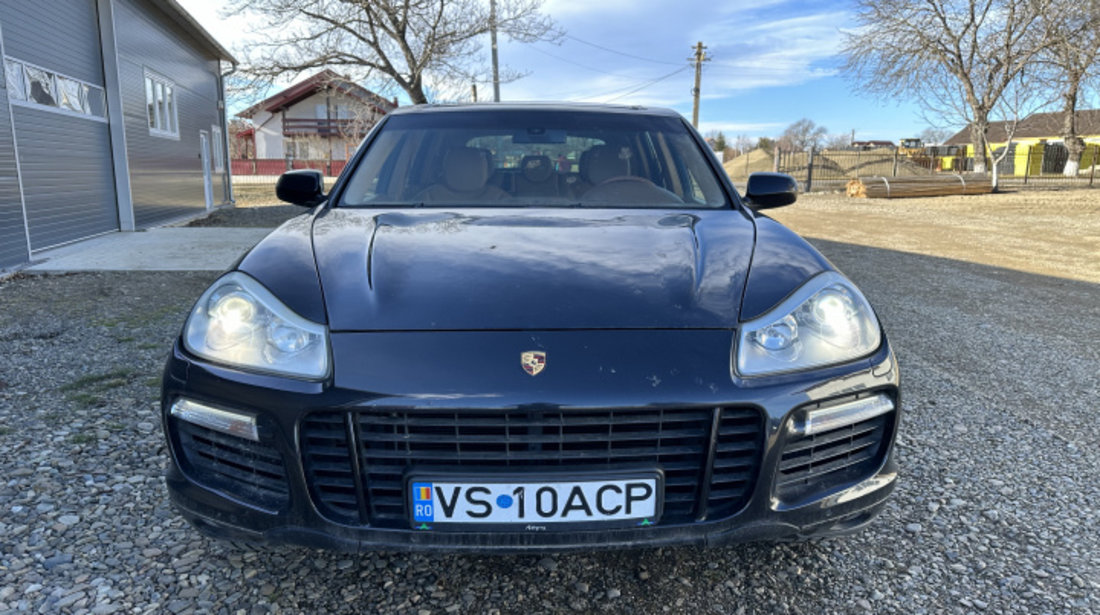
(534, 158)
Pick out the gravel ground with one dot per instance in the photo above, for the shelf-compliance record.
(249, 216)
(996, 511)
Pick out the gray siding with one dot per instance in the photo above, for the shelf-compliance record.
(57, 34)
(165, 174)
(68, 184)
(13, 236)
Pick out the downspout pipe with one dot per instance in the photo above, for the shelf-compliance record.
(228, 162)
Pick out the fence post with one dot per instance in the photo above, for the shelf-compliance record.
(1027, 165)
(775, 163)
(810, 170)
(896, 161)
(1092, 168)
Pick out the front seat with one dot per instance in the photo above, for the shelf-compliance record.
(606, 177)
(600, 163)
(465, 179)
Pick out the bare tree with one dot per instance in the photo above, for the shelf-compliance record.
(802, 135)
(956, 58)
(239, 146)
(411, 42)
(839, 141)
(743, 144)
(934, 135)
(1071, 59)
(1014, 106)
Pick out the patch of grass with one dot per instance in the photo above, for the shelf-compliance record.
(153, 382)
(82, 438)
(101, 382)
(149, 346)
(85, 399)
(114, 426)
(124, 340)
(4, 430)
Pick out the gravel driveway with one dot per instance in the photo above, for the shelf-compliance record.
(996, 510)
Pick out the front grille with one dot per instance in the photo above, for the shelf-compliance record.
(248, 471)
(388, 443)
(813, 465)
(736, 461)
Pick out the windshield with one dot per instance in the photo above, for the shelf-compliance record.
(536, 158)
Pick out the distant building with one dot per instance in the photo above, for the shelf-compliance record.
(111, 118)
(323, 117)
(872, 144)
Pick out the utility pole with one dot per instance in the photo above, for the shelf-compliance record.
(493, 38)
(473, 90)
(700, 57)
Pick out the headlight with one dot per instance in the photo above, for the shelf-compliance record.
(825, 322)
(239, 322)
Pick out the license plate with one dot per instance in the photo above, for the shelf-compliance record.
(534, 505)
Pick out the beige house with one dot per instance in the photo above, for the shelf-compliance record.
(323, 117)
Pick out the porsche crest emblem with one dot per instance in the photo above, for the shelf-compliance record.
(533, 362)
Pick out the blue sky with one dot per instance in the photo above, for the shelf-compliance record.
(773, 63)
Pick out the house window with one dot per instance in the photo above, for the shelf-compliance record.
(218, 148)
(41, 88)
(160, 104)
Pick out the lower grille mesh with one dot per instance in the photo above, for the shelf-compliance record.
(811, 465)
(249, 471)
(390, 442)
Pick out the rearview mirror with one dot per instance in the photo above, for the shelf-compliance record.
(768, 190)
(305, 187)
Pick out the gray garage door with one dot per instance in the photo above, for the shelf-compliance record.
(55, 81)
(68, 186)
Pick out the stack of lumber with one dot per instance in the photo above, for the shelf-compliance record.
(921, 185)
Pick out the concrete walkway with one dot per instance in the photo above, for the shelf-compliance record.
(160, 249)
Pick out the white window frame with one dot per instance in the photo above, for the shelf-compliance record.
(217, 148)
(23, 98)
(165, 106)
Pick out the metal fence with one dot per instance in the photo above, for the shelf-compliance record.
(254, 179)
(1030, 165)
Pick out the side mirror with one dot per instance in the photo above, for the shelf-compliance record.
(305, 187)
(767, 190)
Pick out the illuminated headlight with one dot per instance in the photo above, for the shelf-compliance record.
(238, 322)
(825, 322)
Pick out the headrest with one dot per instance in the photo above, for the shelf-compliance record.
(465, 169)
(536, 169)
(602, 162)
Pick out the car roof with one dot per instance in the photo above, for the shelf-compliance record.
(536, 106)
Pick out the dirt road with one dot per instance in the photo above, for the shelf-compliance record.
(1055, 233)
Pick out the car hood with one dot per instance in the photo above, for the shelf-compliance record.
(509, 269)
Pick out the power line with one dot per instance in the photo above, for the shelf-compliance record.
(568, 61)
(646, 85)
(622, 53)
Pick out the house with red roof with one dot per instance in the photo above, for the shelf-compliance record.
(322, 118)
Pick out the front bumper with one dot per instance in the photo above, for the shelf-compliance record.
(281, 404)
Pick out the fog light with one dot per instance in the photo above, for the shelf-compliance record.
(835, 417)
(232, 423)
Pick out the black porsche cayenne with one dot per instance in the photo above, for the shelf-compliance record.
(531, 327)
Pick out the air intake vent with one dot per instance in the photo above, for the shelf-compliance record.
(813, 465)
(248, 471)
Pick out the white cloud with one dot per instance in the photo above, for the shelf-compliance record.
(732, 129)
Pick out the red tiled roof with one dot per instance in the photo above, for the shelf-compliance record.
(308, 87)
